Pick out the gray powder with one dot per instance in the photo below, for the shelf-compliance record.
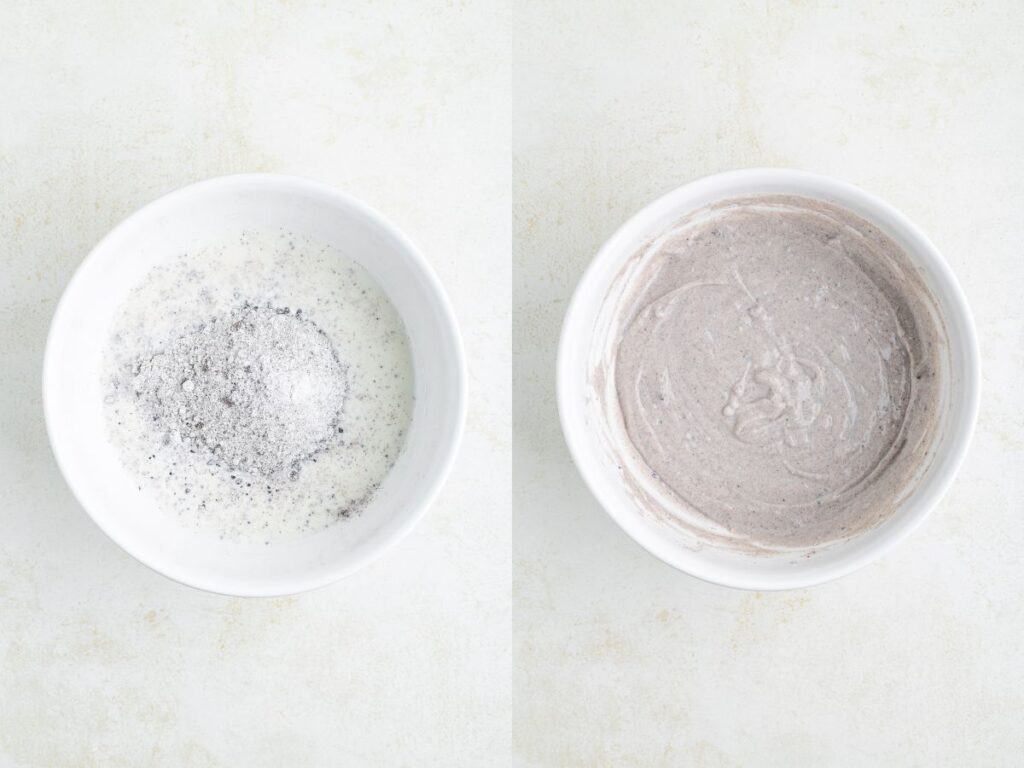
(259, 390)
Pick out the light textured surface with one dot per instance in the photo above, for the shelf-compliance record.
(104, 663)
(915, 660)
(543, 633)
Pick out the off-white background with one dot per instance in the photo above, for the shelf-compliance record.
(105, 106)
(509, 140)
(916, 660)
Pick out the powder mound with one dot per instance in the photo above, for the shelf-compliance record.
(260, 389)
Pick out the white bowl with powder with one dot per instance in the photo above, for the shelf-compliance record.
(255, 385)
(768, 378)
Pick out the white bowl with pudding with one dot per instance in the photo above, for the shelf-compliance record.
(768, 378)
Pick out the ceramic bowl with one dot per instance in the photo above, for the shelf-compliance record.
(581, 416)
(185, 219)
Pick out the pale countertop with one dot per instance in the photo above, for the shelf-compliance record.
(516, 625)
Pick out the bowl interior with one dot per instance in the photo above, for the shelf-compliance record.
(186, 219)
(580, 412)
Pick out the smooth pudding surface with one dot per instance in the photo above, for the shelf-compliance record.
(777, 370)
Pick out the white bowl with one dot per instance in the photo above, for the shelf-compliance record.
(580, 415)
(72, 396)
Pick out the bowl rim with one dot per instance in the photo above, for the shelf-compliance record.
(282, 586)
(684, 560)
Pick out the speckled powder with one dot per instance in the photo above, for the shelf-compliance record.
(257, 390)
(259, 386)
